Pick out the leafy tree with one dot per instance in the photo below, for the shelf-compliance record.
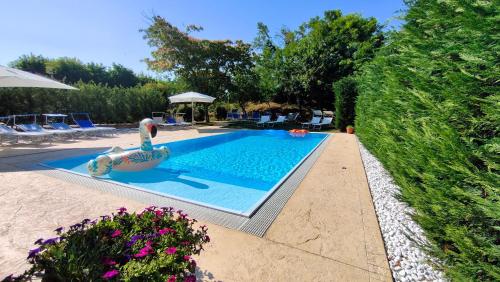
(321, 51)
(97, 73)
(206, 65)
(31, 63)
(121, 76)
(345, 99)
(69, 70)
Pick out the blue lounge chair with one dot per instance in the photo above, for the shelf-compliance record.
(86, 125)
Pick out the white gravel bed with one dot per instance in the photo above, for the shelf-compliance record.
(402, 236)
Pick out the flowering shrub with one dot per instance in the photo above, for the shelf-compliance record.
(154, 245)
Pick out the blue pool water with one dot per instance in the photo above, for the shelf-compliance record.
(233, 171)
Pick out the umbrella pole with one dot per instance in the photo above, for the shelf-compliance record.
(192, 112)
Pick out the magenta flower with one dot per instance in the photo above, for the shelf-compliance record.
(190, 278)
(110, 274)
(158, 213)
(185, 243)
(171, 278)
(122, 211)
(171, 250)
(187, 257)
(108, 261)
(116, 233)
(147, 250)
(207, 239)
(166, 230)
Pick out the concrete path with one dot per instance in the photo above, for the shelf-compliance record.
(327, 231)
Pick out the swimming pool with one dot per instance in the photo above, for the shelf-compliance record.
(234, 172)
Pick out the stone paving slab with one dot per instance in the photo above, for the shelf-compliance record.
(327, 231)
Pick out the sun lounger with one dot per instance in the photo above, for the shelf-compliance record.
(86, 125)
(255, 116)
(292, 117)
(327, 121)
(263, 120)
(314, 120)
(279, 120)
(34, 127)
(8, 133)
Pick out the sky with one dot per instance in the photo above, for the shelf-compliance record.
(107, 31)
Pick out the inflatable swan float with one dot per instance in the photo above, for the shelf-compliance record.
(118, 159)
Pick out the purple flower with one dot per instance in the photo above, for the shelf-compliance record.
(110, 274)
(85, 221)
(39, 241)
(190, 278)
(116, 233)
(122, 211)
(50, 241)
(59, 229)
(171, 250)
(104, 217)
(34, 252)
(134, 239)
(151, 208)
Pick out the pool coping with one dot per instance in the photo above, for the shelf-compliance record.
(255, 222)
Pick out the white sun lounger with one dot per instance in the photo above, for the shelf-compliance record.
(314, 120)
(279, 120)
(327, 121)
(263, 120)
(8, 133)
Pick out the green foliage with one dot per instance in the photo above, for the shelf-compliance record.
(428, 108)
(105, 104)
(31, 63)
(345, 99)
(206, 66)
(72, 70)
(220, 113)
(155, 245)
(309, 60)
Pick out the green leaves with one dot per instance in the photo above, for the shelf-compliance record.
(428, 109)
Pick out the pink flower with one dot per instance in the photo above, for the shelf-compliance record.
(147, 250)
(110, 274)
(187, 257)
(158, 213)
(190, 278)
(166, 230)
(171, 250)
(116, 233)
(108, 261)
(185, 243)
(171, 278)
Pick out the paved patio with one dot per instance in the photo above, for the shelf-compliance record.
(327, 231)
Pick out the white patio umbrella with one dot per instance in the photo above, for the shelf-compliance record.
(191, 97)
(10, 77)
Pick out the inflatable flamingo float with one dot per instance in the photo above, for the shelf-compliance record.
(134, 160)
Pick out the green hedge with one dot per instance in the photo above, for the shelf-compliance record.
(429, 110)
(105, 104)
(345, 99)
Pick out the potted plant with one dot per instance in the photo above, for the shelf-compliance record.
(350, 129)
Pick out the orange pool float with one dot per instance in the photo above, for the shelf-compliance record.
(298, 132)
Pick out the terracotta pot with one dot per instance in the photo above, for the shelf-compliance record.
(350, 130)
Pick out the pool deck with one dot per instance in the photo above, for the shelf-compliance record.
(327, 231)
